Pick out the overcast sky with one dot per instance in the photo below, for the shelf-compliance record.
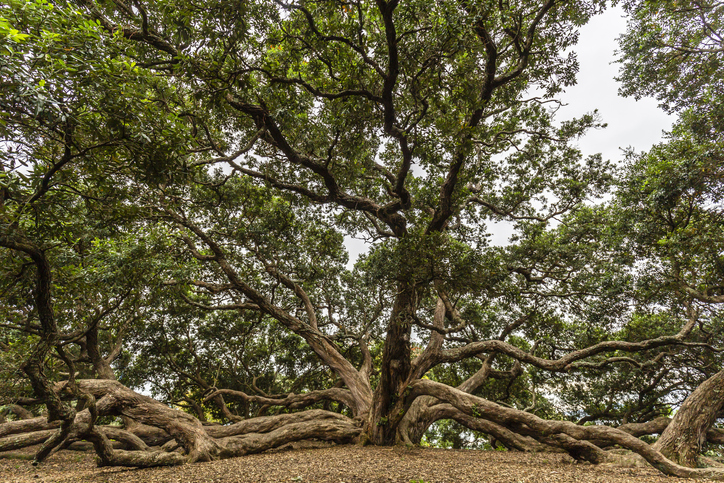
(631, 123)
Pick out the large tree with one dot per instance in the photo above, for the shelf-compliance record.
(672, 195)
(244, 143)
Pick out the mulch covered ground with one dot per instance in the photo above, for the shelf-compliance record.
(338, 464)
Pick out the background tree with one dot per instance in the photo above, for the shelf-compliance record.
(673, 193)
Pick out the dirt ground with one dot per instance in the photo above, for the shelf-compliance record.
(337, 464)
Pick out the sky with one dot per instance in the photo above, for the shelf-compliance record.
(631, 123)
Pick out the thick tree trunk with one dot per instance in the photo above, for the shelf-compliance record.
(394, 372)
(419, 415)
(684, 437)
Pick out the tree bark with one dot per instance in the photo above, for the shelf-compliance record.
(23, 440)
(683, 439)
(484, 409)
(27, 426)
(199, 443)
(100, 364)
(394, 372)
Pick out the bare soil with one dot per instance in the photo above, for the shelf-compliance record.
(337, 464)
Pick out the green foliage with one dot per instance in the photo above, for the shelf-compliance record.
(673, 51)
(191, 173)
(451, 435)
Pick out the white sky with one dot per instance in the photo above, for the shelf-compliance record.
(631, 123)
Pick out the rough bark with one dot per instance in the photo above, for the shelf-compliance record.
(684, 437)
(515, 437)
(23, 440)
(27, 426)
(510, 439)
(147, 435)
(127, 439)
(101, 365)
(200, 443)
(394, 372)
(184, 428)
(265, 424)
(150, 435)
(292, 401)
(580, 450)
(484, 409)
(417, 420)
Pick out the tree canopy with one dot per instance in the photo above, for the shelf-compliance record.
(179, 182)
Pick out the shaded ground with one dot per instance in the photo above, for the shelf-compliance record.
(340, 464)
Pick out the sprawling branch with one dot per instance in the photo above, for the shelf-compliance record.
(200, 443)
(484, 409)
(144, 34)
(565, 363)
(292, 401)
(319, 342)
(335, 194)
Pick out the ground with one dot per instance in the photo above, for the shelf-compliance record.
(338, 464)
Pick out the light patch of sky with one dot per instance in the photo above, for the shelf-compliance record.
(631, 123)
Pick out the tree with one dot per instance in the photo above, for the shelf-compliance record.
(673, 51)
(245, 144)
(61, 248)
(674, 191)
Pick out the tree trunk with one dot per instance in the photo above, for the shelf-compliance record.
(394, 373)
(683, 439)
(100, 364)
